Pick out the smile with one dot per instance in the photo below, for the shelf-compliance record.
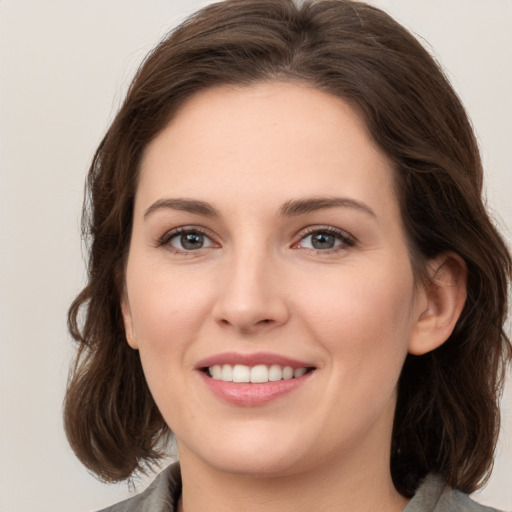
(250, 380)
(256, 374)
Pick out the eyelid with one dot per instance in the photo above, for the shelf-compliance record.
(347, 239)
(164, 240)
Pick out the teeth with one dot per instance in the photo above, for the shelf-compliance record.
(241, 373)
(299, 372)
(226, 373)
(259, 373)
(287, 373)
(275, 373)
(216, 371)
(256, 374)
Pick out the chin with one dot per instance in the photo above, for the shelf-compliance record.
(257, 467)
(253, 455)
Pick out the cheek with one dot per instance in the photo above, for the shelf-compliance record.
(167, 308)
(167, 313)
(364, 319)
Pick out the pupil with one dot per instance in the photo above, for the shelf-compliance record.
(192, 241)
(323, 241)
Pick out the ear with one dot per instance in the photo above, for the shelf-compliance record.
(128, 320)
(440, 302)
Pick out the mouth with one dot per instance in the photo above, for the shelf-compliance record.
(253, 379)
(257, 374)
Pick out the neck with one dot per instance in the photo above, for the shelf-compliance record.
(364, 487)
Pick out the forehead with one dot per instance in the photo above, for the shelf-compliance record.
(270, 140)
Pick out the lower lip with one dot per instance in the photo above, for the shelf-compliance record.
(250, 395)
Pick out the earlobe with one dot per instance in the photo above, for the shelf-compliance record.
(128, 321)
(443, 299)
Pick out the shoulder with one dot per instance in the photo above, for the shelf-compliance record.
(161, 496)
(434, 496)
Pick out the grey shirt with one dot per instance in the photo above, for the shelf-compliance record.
(163, 495)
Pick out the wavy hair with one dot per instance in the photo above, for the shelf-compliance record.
(447, 415)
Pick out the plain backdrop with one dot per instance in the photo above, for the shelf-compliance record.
(64, 67)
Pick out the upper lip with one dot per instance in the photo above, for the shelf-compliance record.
(253, 359)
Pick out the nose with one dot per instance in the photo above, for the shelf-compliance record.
(252, 294)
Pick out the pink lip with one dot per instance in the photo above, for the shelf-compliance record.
(251, 360)
(250, 394)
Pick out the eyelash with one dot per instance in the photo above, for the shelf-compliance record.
(166, 239)
(347, 241)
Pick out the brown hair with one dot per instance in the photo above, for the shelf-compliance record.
(447, 416)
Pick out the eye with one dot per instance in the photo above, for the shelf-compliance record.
(187, 240)
(320, 240)
(325, 240)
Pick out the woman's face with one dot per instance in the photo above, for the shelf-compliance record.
(267, 242)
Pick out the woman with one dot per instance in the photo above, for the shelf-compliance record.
(292, 271)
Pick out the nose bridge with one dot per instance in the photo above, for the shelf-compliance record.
(249, 296)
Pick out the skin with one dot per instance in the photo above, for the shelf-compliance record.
(258, 285)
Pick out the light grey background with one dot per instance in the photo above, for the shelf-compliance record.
(64, 66)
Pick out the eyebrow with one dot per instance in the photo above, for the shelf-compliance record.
(186, 205)
(308, 205)
(291, 208)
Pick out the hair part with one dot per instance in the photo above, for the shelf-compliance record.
(447, 416)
